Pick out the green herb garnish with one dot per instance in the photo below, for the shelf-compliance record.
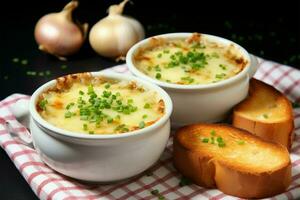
(187, 79)
(220, 76)
(63, 66)
(85, 127)
(24, 62)
(144, 116)
(142, 124)
(265, 116)
(43, 103)
(184, 181)
(15, 60)
(158, 75)
(296, 105)
(205, 140)
(224, 67)
(213, 132)
(157, 194)
(240, 142)
(147, 106)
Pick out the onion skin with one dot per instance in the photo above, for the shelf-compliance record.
(115, 34)
(57, 34)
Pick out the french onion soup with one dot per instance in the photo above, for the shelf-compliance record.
(97, 105)
(189, 61)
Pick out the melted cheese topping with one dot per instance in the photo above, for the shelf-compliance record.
(182, 62)
(62, 108)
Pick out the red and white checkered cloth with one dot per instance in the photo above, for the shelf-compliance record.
(47, 184)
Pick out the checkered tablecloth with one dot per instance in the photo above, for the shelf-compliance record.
(47, 184)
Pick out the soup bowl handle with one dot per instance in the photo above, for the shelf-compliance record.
(254, 65)
(20, 109)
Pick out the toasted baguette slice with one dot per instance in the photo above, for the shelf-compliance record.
(266, 113)
(244, 165)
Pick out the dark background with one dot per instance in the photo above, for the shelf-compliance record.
(270, 29)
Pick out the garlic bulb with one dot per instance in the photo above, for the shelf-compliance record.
(115, 34)
(57, 34)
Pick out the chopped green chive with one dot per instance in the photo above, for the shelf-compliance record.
(296, 105)
(147, 105)
(184, 181)
(240, 142)
(43, 103)
(142, 124)
(110, 120)
(158, 75)
(24, 62)
(213, 132)
(166, 51)
(222, 66)
(265, 116)
(155, 192)
(220, 76)
(157, 68)
(15, 60)
(187, 79)
(159, 55)
(31, 73)
(219, 139)
(212, 140)
(91, 132)
(47, 72)
(70, 105)
(81, 92)
(221, 144)
(107, 86)
(130, 101)
(85, 127)
(145, 116)
(205, 140)
(63, 66)
(68, 114)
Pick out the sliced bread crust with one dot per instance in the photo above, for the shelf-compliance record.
(266, 113)
(244, 166)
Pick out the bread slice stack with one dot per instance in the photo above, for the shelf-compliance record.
(233, 160)
(266, 113)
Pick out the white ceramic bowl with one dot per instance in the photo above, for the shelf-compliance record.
(100, 158)
(201, 103)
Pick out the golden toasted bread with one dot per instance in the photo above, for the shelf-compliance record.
(232, 160)
(266, 113)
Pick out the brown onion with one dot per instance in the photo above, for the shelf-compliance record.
(57, 34)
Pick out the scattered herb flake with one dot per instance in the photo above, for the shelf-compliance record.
(142, 124)
(15, 60)
(240, 142)
(213, 132)
(147, 106)
(43, 103)
(184, 181)
(224, 67)
(296, 105)
(158, 75)
(145, 116)
(265, 116)
(24, 62)
(205, 140)
(63, 66)
(107, 86)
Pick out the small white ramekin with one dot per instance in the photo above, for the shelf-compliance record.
(201, 103)
(100, 158)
